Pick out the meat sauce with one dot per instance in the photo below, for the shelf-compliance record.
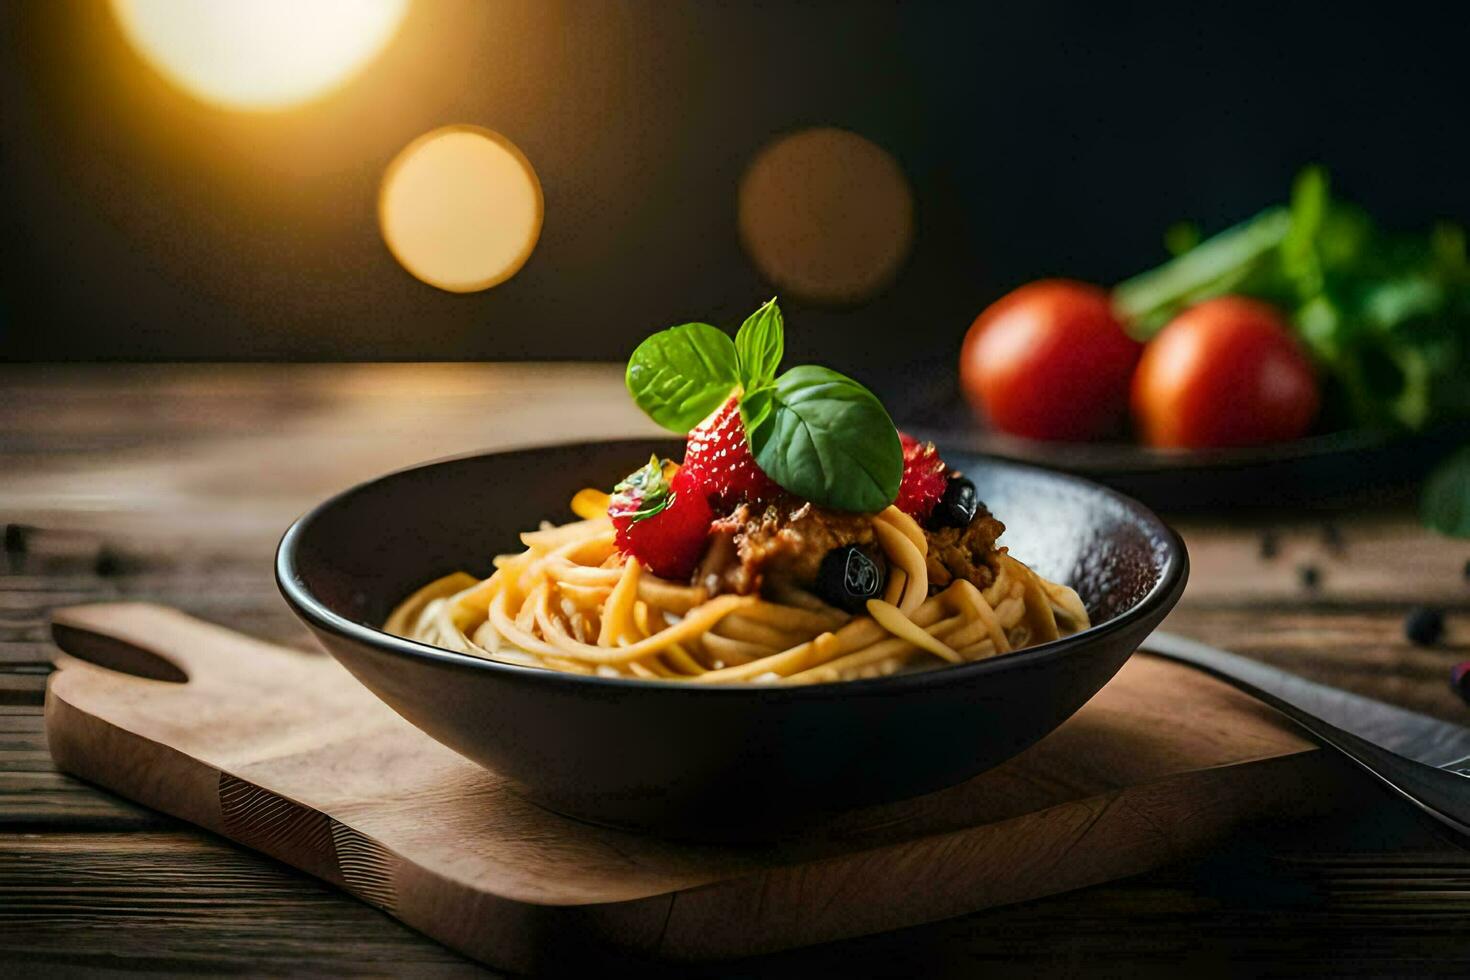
(781, 545)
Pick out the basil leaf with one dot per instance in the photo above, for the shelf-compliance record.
(825, 438)
(1445, 504)
(759, 345)
(679, 375)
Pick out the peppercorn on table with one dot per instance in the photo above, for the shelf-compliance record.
(171, 484)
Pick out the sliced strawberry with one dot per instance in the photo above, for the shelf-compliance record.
(718, 459)
(924, 478)
(662, 523)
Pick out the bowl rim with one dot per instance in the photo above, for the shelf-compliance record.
(1165, 592)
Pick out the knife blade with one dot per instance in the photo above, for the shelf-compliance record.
(1427, 740)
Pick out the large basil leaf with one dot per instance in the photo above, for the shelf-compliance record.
(759, 345)
(825, 438)
(680, 375)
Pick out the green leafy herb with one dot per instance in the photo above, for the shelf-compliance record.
(1215, 266)
(760, 344)
(817, 433)
(826, 438)
(642, 493)
(1445, 505)
(680, 375)
(1385, 316)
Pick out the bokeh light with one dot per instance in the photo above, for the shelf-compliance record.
(826, 215)
(258, 54)
(461, 208)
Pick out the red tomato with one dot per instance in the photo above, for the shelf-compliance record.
(1224, 373)
(1049, 361)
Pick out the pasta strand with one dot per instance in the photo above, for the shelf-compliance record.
(570, 602)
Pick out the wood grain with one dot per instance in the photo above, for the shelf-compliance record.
(286, 754)
(219, 909)
(171, 484)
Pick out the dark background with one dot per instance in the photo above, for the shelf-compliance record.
(1040, 138)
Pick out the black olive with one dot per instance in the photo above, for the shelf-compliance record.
(107, 563)
(849, 577)
(958, 505)
(1424, 626)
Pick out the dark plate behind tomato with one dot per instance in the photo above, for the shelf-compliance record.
(1320, 470)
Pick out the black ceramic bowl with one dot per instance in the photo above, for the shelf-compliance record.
(736, 761)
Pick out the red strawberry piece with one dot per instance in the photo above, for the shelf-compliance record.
(924, 478)
(718, 459)
(662, 523)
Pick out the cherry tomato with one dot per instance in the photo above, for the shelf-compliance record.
(1049, 361)
(1224, 373)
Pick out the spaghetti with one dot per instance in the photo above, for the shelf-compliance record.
(571, 601)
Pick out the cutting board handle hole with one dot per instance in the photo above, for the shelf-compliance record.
(115, 654)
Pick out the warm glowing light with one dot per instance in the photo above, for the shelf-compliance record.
(826, 215)
(461, 208)
(258, 54)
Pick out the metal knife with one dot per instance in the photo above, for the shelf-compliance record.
(1423, 759)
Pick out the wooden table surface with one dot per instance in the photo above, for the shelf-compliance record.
(172, 484)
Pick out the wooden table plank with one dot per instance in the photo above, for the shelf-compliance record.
(35, 797)
(173, 483)
(178, 899)
(186, 901)
(1380, 556)
(182, 460)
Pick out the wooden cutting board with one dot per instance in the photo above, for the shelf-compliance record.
(284, 752)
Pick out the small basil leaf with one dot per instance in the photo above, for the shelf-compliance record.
(1445, 505)
(679, 375)
(759, 345)
(756, 406)
(825, 438)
